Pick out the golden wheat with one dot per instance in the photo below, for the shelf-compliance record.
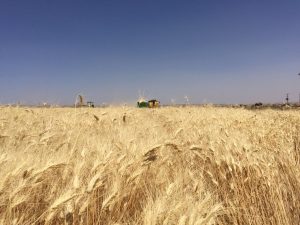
(122, 165)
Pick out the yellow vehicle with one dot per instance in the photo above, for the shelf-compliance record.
(153, 103)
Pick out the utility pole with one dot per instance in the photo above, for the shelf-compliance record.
(299, 93)
(187, 99)
(287, 98)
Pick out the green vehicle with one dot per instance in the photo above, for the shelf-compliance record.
(142, 104)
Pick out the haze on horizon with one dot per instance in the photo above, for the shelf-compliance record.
(212, 51)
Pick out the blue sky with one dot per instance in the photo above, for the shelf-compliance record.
(212, 51)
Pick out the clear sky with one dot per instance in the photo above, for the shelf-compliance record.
(214, 51)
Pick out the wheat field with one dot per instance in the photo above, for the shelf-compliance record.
(123, 165)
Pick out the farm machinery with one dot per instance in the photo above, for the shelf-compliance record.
(80, 102)
(142, 103)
